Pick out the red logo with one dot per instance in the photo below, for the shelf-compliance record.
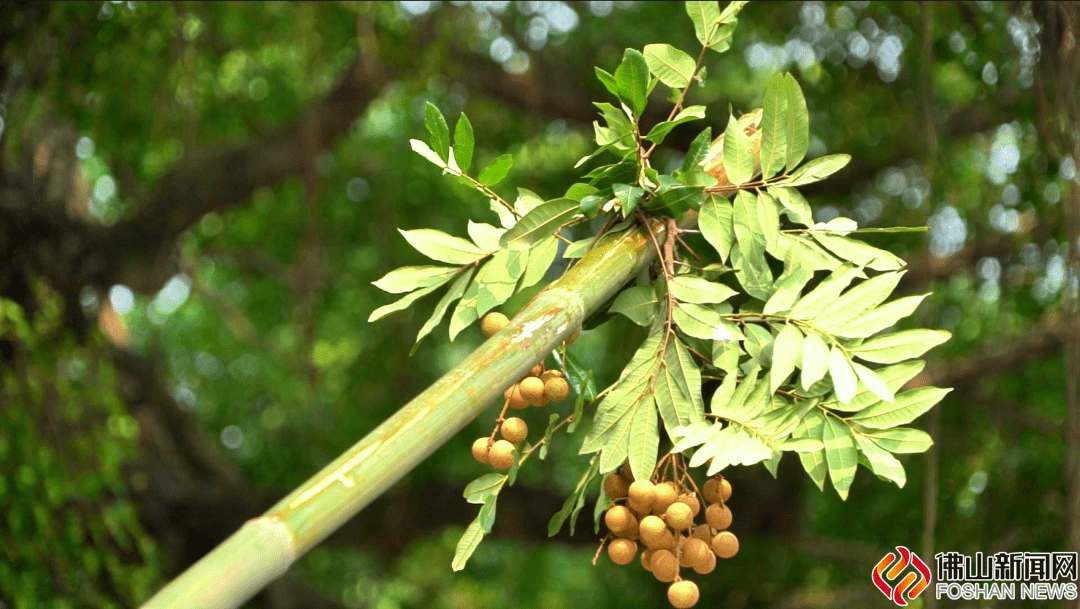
(896, 593)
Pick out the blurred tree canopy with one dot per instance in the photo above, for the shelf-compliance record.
(195, 197)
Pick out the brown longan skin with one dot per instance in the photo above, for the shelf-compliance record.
(710, 491)
(651, 530)
(725, 489)
(707, 567)
(501, 455)
(665, 496)
(665, 567)
(480, 450)
(616, 487)
(696, 552)
(556, 389)
(492, 323)
(619, 519)
(514, 430)
(622, 551)
(718, 516)
(532, 389)
(517, 401)
(692, 501)
(547, 375)
(703, 532)
(725, 544)
(643, 493)
(679, 516)
(536, 370)
(683, 594)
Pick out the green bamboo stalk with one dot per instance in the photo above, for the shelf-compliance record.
(265, 547)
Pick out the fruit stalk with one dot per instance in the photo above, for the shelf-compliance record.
(265, 547)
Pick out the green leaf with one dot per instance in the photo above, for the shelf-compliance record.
(553, 418)
(704, 322)
(812, 427)
(788, 290)
(618, 132)
(629, 196)
(797, 250)
(811, 305)
(425, 151)
(455, 292)
(803, 445)
(816, 170)
(677, 201)
(463, 143)
(678, 388)
(442, 247)
(660, 130)
(894, 377)
(815, 360)
(440, 133)
(573, 503)
(843, 376)
(907, 406)
(579, 191)
(409, 278)
(881, 462)
(753, 274)
(759, 344)
(580, 378)
(748, 231)
(706, 18)
(786, 351)
(498, 279)
(717, 225)
(774, 120)
(797, 129)
(699, 149)
(485, 236)
(898, 439)
(608, 80)
(483, 487)
(403, 303)
(797, 207)
(541, 256)
(731, 11)
(540, 223)
(883, 317)
(496, 170)
(899, 346)
(465, 312)
(857, 300)
(673, 67)
(644, 441)
(691, 288)
(639, 304)
(858, 252)
(738, 156)
(468, 543)
(840, 454)
(632, 80)
(873, 382)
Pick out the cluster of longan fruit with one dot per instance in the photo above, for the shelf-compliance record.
(539, 387)
(661, 517)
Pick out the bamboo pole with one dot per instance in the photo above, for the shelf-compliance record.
(265, 547)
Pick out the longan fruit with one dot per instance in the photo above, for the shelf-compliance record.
(632, 533)
(543, 401)
(725, 544)
(718, 516)
(664, 565)
(627, 472)
(514, 430)
(725, 489)
(536, 370)
(622, 551)
(618, 519)
(696, 552)
(637, 509)
(501, 455)
(643, 493)
(703, 532)
(680, 552)
(556, 389)
(665, 496)
(679, 516)
(706, 567)
(480, 450)
(652, 530)
(517, 401)
(547, 375)
(576, 334)
(711, 491)
(492, 323)
(692, 501)
(683, 594)
(665, 541)
(532, 389)
(616, 487)
(646, 558)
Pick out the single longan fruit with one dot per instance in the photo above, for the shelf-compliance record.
(537, 370)
(664, 565)
(718, 516)
(576, 334)
(665, 541)
(646, 559)
(492, 323)
(706, 567)
(532, 389)
(683, 594)
(703, 532)
(725, 544)
(692, 501)
(618, 519)
(480, 450)
(696, 552)
(643, 493)
(517, 401)
(679, 516)
(557, 389)
(514, 430)
(616, 487)
(543, 401)
(665, 496)
(711, 491)
(652, 530)
(725, 489)
(622, 551)
(547, 375)
(501, 455)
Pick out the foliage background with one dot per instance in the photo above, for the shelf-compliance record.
(195, 198)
